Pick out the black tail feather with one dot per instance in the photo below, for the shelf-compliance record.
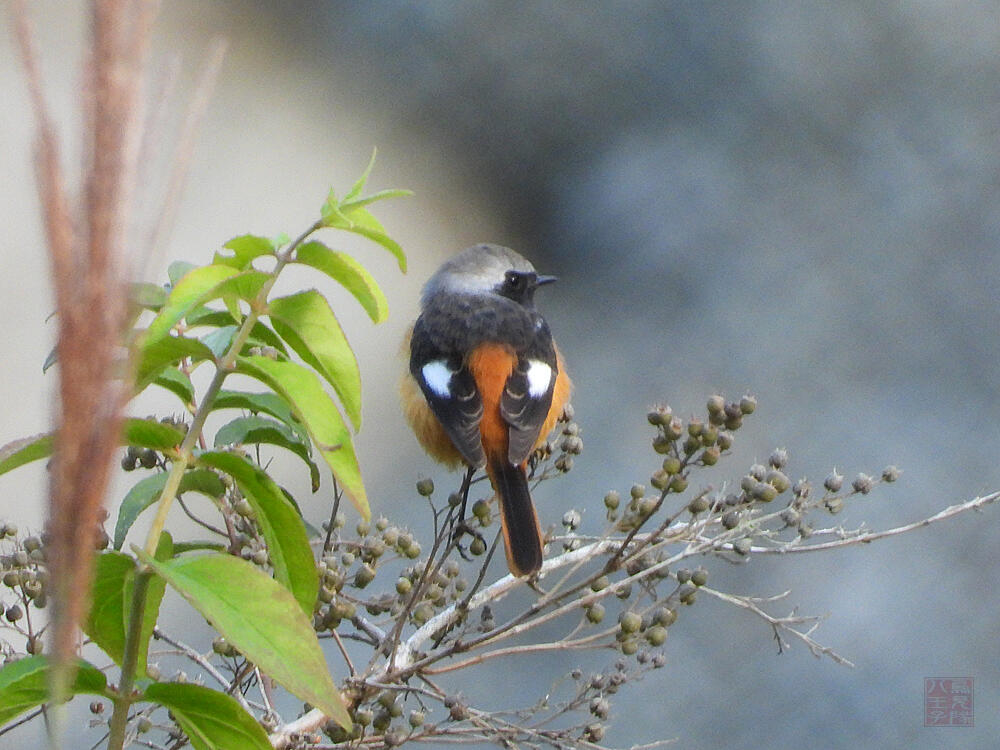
(521, 531)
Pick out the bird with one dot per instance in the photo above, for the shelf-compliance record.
(486, 382)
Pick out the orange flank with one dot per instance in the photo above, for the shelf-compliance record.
(561, 391)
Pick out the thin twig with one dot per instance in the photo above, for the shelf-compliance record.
(782, 624)
(264, 683)
(343, 652)
(204, 524)
(977, 503)
(428, 574)
(337, 494)
(23, 720)
(201, 661)
(579, 644)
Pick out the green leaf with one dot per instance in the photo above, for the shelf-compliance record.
(154, 357)
(232, 303)
(50, 360)
(307, 323)
(199, 286)
(255, 429)
(312, 405)
(211, 720)
(358, 186)
(154, 597)
(177, 383)
(260, 334)
(350, 205)
(140, 432)
(24, 684)
(350, 214)
(149, 433)
(147, 296)
(280, 524)
(359, 220)
(261, 618)
(206, 316)
(199, 546)
(107, 623)
(219, 340)
(330, 212)
(178, 270)
(344, 269)
(244, 249)
(363, 223)
(353, 199)
(263, 403)
(147, 491)
(24, 451)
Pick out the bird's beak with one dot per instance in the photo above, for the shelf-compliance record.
(539, 280)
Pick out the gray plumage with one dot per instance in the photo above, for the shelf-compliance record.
(476, 270)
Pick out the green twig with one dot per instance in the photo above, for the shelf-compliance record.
(123, 698)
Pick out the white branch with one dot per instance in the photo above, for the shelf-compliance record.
(866, 538)
(407, 653)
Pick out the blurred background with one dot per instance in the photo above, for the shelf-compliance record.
(799, 200)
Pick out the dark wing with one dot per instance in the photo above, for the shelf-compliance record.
(451, 393)
(527, 396)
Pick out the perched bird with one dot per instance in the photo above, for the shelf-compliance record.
(486, 383)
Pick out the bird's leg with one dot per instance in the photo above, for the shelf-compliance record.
(461, 526)
(464, 492)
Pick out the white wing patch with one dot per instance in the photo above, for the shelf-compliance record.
(539, 376)
(438, 377)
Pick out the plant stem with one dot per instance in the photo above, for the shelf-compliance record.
(186, 450)
(185, 454)
(123, 699)
(223, 368)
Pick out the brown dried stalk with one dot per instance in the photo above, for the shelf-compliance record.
(86, 250)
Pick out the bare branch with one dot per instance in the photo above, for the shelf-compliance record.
(858, 537)
(783, 624)
(202, 662)
(598, 640)
(405, 660)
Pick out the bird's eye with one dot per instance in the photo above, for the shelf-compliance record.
(514, 280)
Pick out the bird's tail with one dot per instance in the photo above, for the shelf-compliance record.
(522, 534)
